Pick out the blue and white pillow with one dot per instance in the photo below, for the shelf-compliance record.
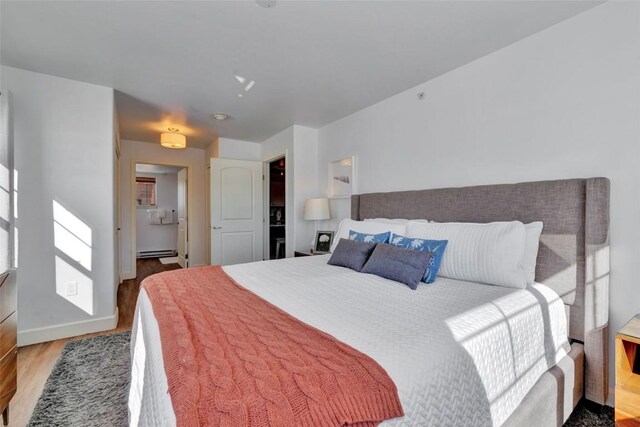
(437, 247)
(369, 238)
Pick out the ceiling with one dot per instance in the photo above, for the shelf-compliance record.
(173, 63)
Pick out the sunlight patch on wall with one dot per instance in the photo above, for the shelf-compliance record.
(72, 236)
(15, 216)
(15, 193)
(5, 218)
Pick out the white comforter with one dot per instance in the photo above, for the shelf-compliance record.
(460, 353)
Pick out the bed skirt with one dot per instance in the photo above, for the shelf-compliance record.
(555, 395)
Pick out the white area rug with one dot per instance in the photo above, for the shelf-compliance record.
(169, 260)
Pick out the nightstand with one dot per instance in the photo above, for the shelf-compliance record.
(627, 405)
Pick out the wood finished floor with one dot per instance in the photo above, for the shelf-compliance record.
(35, 362)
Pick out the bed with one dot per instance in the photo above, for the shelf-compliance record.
(484, 355)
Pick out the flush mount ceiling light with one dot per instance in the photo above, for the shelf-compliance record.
(220, 116)
(173, 139)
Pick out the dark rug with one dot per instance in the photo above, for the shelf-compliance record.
(584, 416)
(88, 386)
(90, 382)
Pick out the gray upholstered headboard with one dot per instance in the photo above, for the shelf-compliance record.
(573, 258)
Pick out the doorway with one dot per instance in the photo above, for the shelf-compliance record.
(160, 202)
(277, 203)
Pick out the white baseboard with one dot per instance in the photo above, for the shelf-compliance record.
(66, 330)
(128, 275)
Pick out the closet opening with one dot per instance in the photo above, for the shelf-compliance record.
(277, 201)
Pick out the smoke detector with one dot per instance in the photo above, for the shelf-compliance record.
(267, 4)
(220, 116)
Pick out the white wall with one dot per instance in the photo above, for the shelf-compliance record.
(305, 177)
(238, 150)
(64, 160)
(212, 151)
(152, 153)
(562, 103)
(159, 237)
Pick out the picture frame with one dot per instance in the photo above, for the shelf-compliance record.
(322, 242)
(342, 177)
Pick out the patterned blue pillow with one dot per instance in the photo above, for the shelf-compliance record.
(437, 247)
(369, 238)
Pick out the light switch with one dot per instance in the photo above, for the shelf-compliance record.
(71, 289)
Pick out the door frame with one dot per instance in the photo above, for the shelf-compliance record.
(117, 153)
(207, 209)
(133, 207)
(288, 211)
(186, 217)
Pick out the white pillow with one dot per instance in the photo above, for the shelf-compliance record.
(533, 231)
(393, 221)
(486, 253)
(366, 227)
(387, 220)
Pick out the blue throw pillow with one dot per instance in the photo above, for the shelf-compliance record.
(437, 247)
(369, 238)
(351, 254)
(399, 264)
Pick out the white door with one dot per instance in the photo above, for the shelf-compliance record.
(183, 251)
(236, 211)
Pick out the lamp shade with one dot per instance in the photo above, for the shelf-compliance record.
(173, 139)
(316, 209)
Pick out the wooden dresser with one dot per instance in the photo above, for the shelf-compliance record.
(627, 395)
(8, 336)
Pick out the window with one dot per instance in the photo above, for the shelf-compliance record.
(145, 191)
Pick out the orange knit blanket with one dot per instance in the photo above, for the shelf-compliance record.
(234, 359)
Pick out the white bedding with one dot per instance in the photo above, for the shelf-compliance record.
(460, 353)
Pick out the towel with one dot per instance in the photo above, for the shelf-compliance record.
(168, 217)
(155, 216)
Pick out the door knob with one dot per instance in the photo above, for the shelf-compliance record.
(216, 228)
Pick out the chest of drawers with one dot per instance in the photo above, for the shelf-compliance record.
(8, 341)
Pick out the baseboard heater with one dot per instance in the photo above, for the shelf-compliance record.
(156, 254)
